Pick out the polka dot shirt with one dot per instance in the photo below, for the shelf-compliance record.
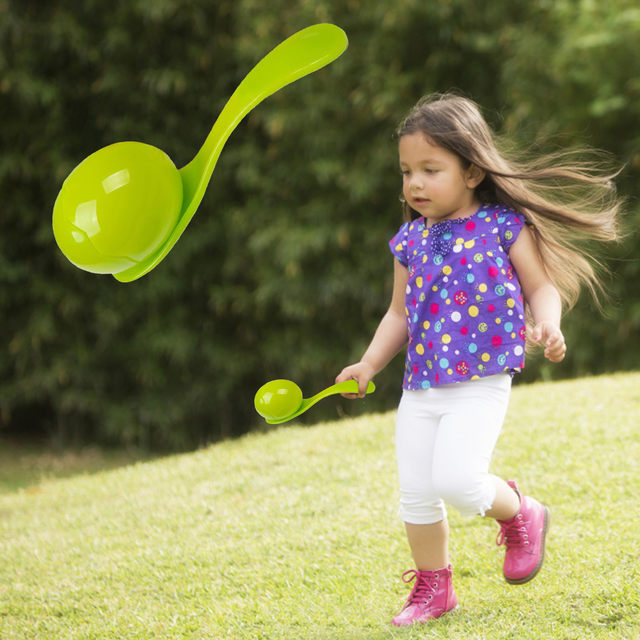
(464, 305)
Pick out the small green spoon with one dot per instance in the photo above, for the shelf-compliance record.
(122, 209)
(279, 401)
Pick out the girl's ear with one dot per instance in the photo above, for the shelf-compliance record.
(474, 175)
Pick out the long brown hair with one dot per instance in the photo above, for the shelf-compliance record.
(568, 197)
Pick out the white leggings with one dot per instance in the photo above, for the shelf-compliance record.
(444, 440)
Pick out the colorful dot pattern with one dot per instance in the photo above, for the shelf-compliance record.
(464, 304)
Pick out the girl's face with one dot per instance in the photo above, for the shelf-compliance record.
(434, 182)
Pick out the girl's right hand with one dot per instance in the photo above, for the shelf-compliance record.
(362, 372)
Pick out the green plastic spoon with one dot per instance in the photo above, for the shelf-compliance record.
(122, 209)
(279, 401)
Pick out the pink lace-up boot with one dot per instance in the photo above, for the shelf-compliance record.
(524, 536)
(431, 596)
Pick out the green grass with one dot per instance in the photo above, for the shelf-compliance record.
(294, 534)
(26, 465)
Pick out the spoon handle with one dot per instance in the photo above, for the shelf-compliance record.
(347, 386)
(299, 55)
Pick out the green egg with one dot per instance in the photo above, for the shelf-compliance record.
(278, 399)
(117, 207)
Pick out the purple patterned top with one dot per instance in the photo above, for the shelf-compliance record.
(464, 305)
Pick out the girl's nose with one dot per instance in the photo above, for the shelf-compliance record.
(415, 182)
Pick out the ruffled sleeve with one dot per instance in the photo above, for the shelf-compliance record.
(510, 225)
(398, 245)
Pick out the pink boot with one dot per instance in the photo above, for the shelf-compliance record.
(524, 537)
(431, 596)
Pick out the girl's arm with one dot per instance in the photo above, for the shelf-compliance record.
(541, 295)
(390, 337)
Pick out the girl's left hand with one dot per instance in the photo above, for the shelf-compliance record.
(549, 334)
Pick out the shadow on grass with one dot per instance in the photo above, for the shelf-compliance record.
(26, 465)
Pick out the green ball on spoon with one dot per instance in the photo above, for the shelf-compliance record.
(123, 208)
(279, 401)
(117, 208)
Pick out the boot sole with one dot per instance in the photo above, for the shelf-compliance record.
(534, 573)
(450, 612)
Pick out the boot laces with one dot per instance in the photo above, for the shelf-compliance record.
(424, 588)
(514, 533)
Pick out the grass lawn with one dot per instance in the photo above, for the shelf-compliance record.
(26, 465)
(293, 534)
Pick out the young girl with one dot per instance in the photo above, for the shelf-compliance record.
(485, 261)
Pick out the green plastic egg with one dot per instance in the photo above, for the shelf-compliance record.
(278, 399)
(117, 207)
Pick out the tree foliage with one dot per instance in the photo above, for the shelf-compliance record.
(284, 271)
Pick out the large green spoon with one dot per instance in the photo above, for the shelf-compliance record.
(279, 401)
(122, 209)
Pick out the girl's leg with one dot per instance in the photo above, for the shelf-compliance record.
(423, 512)
(463, 449)
(464, 446)
(416, 433)
(429, 544)
(506, 503)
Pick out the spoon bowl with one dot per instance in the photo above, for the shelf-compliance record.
(123, 208)
(95, 204)
(279, 401)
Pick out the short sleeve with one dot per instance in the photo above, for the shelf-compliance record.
(398, 245)
(511, 225)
